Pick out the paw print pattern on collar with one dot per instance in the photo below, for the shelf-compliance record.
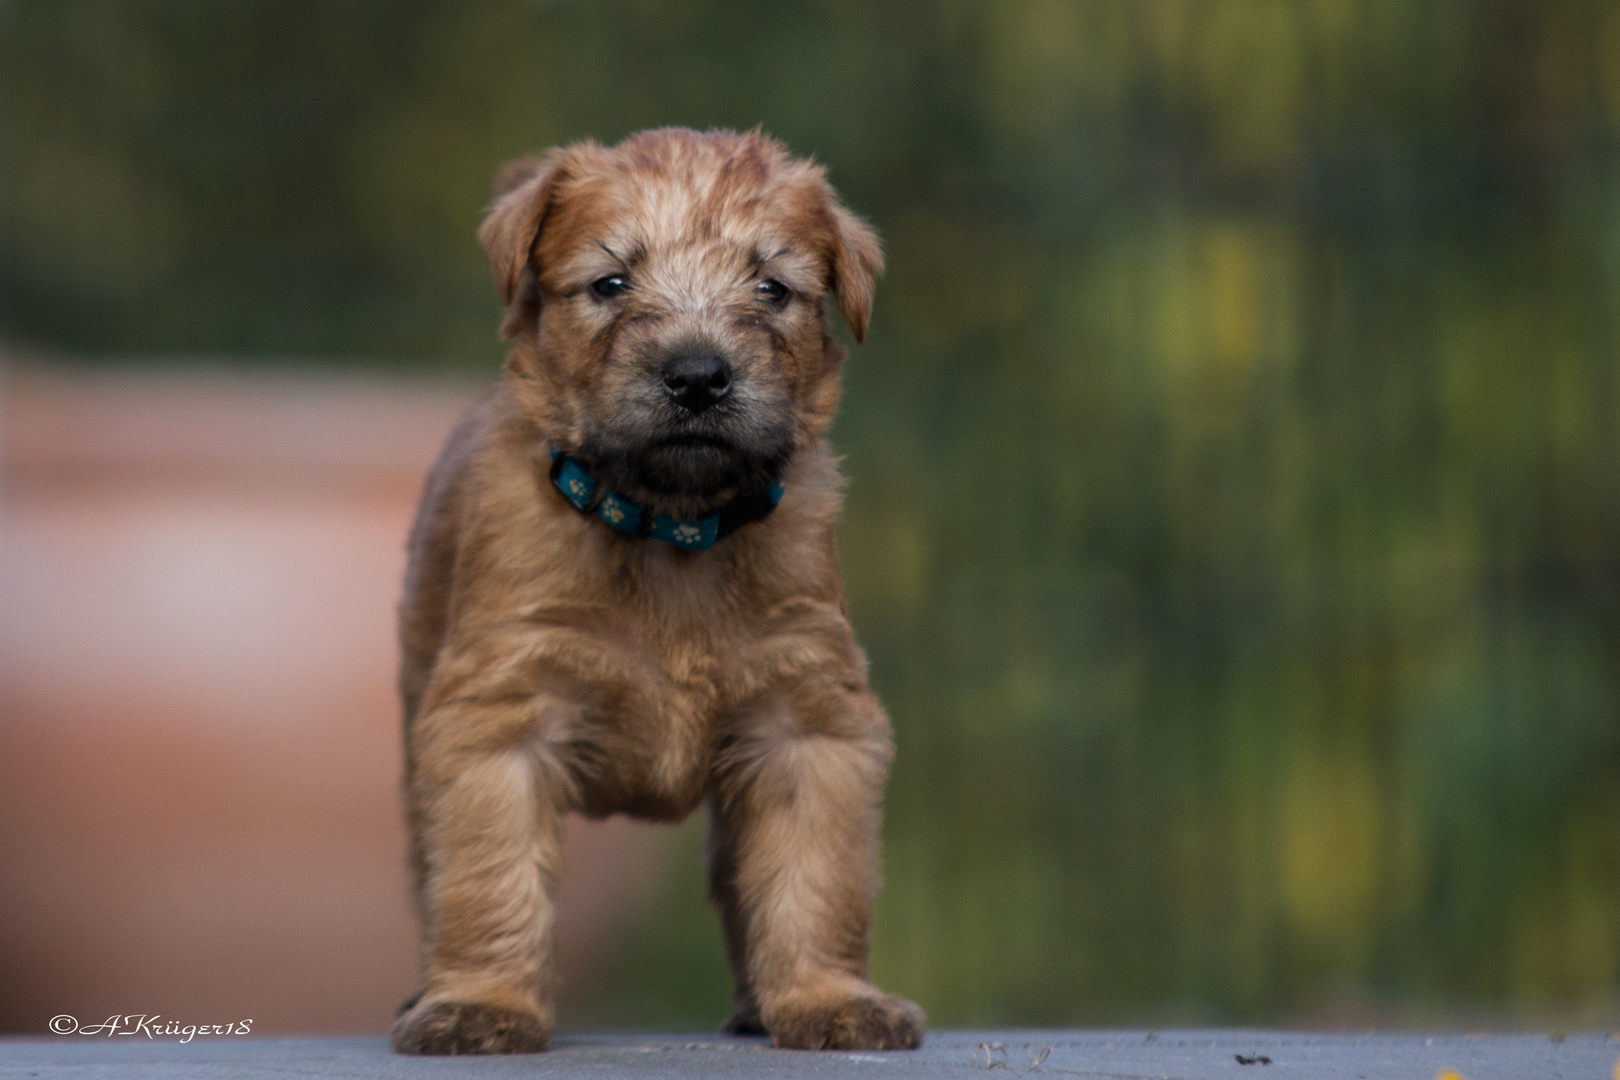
(582, 491)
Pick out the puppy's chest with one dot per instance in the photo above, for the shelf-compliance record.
(663, 657)
(687, 623)
(661, 735)
(694, 669)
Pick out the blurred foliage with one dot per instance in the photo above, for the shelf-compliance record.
(1235, 516)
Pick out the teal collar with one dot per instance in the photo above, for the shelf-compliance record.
(590, 498)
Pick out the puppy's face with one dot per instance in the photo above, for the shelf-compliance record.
(666, 298)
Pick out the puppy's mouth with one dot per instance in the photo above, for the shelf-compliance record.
(687, 473)
(688, 464)
(698, 466)
(696, 443)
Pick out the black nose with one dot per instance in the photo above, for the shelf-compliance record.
(697, 382)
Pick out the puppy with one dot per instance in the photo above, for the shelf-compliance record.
(623, 593)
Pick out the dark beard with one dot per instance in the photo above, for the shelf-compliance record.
(688, 474)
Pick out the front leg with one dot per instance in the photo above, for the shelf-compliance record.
(486, 805)
(794, 854)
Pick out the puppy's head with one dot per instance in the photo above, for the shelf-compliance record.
(665, 299)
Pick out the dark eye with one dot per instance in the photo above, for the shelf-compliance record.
(771, 290)
(609, 287)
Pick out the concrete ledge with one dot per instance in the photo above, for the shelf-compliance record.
(1118, 1055)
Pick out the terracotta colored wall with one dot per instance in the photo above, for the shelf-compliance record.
(199, 752)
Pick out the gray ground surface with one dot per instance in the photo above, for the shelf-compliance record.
(1174, 1055)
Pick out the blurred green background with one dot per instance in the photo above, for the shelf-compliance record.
(1234, 523)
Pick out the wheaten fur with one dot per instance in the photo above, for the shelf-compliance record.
(554, 664)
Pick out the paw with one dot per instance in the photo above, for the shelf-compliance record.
(874, 1021)
(469, 1027)
(744, 1021)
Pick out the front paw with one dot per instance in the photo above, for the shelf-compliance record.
(866, 1021)
(469, 1027)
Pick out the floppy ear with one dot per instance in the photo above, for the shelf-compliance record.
(523, 191)
(857, 260)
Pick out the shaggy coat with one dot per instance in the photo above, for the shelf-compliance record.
(552, 663)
